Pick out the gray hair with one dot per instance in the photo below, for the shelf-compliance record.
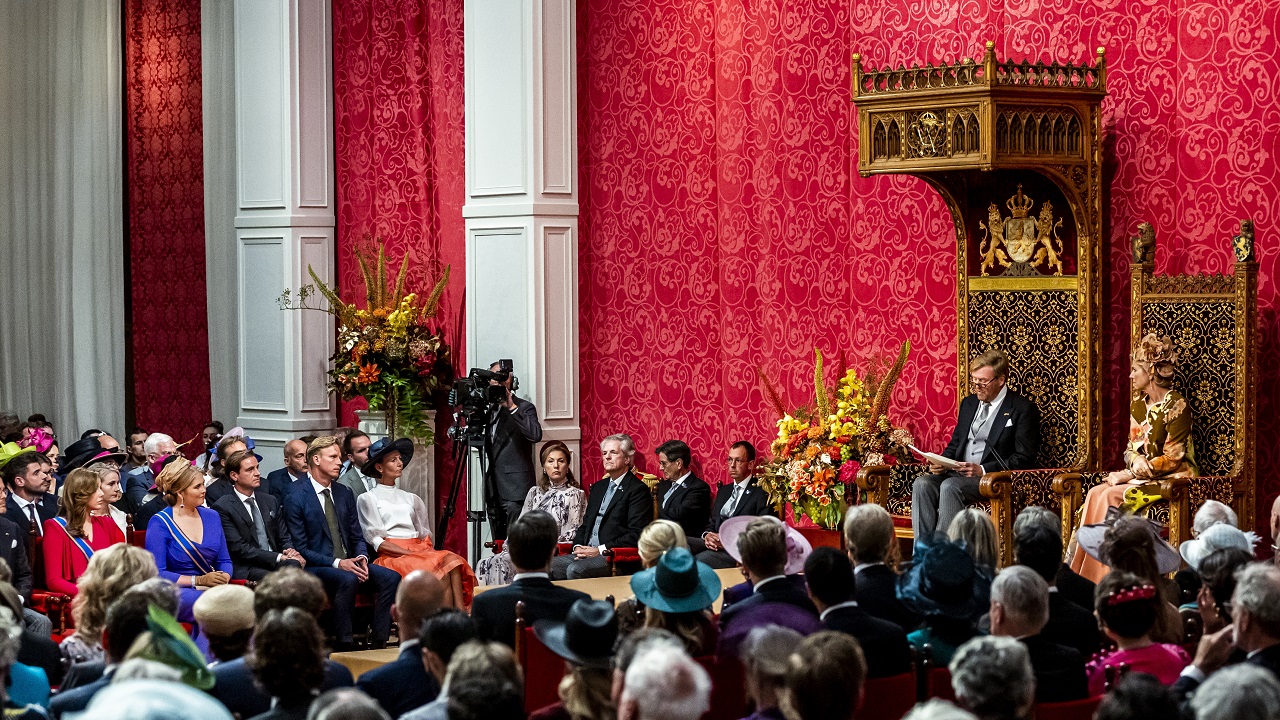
(1213, 513)
(154, 441)
(10, 640)
(868, 532)
(668, 685)
(159, 592)
(765, 652)
(153, 700)
(1258, 593)
(347, 703)
(143, 669)
(1238, 692)
(1023, 594)
(992, 677)
(974, 528)
(623, 439)
(1036, 515)
(937, 709)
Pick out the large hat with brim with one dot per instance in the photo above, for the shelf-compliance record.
(944, 580)
(381, 449)
(1090, 537)
(86, 451)
(586, 636)
(798, 548)
(11, 450)
(1215, 537)
(677, 583)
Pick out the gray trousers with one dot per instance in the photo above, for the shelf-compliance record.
(937, 499)
(38, 624)
(567, 567)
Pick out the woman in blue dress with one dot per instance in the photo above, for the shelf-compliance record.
(186, 537)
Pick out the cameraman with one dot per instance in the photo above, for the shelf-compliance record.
(513, 430)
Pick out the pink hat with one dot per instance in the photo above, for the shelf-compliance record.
(798, 548)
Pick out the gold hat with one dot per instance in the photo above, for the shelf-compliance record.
(1157, 355)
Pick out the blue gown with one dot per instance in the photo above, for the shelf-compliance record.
(173, 561)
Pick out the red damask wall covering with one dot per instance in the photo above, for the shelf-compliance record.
(168, 323)
(399, 154)
(724, 224)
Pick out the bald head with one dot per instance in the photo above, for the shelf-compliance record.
(295, 457)
(420, 596)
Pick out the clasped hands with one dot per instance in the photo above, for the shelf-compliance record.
(712, 541)
(291, 554)
(1141, 468)
(585, 551)
(965, 469)
(210, 579)
(358, 566)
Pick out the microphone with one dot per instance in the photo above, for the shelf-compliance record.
(1003, 465)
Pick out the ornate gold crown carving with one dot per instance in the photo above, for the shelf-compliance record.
(1020, 204)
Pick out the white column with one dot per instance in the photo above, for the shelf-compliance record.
(522, 201)
(284, 216)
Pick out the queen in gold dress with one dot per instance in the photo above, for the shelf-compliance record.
(1159, 440)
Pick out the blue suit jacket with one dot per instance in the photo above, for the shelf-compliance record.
(76, 700)
(136, 486)
(401, 685)
(304, 516)
(278, 483)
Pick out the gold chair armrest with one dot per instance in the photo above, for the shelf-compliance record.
(874, 481)
(1177, 492)
(997, 487)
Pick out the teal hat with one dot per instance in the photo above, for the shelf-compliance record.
(677, 583)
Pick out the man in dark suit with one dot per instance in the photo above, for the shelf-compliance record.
(13, 550)
(1255, 628)
(742, 496)
(27, 476)
(252, 523)
(513, 431)
(829, 576)
(1066, 583)
(404, 683)
(1020, 609)
(531, 540)
(1039, 547)
(280, 482)
(683, 497)
(139, 484)
(869, 536)
(997, 430)
(618, 508)
(222, 486)
(775, 600)
(321, 518)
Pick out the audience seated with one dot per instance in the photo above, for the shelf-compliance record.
(1020, 609)
(1255, 630)
(993, 679)
(677, 595)
(832, 587)
(439, 638)
(225, 615)
(1133, 545)
(825, 678)
(1139, 696)
(742, 497)
(683, 498)
(286, 588)
(322, 521)
(1240, 692)
(34, 650)
(108, 574)
(950, 592)
(618, 508)
(873, 548)
(1039, 547)
(346, 704)
(287, 661)
(218, 484)
(28, 479)
(765, 656)
(186, 537)
(1127, 608)
(557, 493)
(532, 541)
(657, 538)
(938, 709)
(474, 660)
(762, 546)
(109, 481)
(664, 684)
(355, 454)
(395, 525)
(1070, 584)
(798, 549)
(281, 482)
(23, 684)
(153, 700)
(253, 522)
(125, 621)
(1215, 537)
(585, 639)
(135, 453)
(404, 683)
(72, 538)
(1217, 574)
(973, 528)
(486, 698)
(165, 651)
(13, 553)
(139, 484)
(630, 646)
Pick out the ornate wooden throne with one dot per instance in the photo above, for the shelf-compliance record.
(1015, 151)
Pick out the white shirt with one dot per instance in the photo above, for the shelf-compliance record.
(389, 512)
(244, 499)
(320, 490)
(837, 606)
(531, 575)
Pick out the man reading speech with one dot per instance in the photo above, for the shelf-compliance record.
(997, 430)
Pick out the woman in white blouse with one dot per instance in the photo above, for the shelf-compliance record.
(395, 525)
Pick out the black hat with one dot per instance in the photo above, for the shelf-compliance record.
(85, 451)
(945, 581)
(585, 637)
(381, 449)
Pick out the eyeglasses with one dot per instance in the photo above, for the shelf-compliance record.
(979, 384)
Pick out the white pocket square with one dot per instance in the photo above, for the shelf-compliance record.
(1008, 423)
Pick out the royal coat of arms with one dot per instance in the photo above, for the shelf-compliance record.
(1022, 244)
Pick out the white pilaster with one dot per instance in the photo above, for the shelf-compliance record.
(284, 216)
(522, 201)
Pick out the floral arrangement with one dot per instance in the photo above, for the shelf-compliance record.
(390, 352)
(820, 448)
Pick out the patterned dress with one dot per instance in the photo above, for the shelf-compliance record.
(565, 503)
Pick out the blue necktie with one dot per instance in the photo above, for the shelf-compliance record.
(670, 492)
(604, 505)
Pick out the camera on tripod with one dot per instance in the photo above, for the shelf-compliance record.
(474, 396)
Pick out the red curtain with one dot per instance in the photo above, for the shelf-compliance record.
(398, 131)
(168, 324)
(725, 227)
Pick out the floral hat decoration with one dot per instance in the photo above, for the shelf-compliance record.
(1158, 356)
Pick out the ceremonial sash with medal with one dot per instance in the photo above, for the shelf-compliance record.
(183, 542)
(78, 541)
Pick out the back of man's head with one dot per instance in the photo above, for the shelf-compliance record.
(531, 540)
(346, 704)
(485, 698)
(289, 587)
(992, 677)
(829, 575)
(419, 596)
(868, 533)
(825, 678)
(445, 632)
(1023, 597)
(762, 545)
(1039, 548)
(1258, 593)
(1238, 692)
(127, 616)
(666, 684)
(1036, 515)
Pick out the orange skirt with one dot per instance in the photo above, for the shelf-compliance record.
(423, 556)
(1100, 497)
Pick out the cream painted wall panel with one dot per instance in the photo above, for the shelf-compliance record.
(497, 97)
(313, 101)
(557, 114)
(262, 103)
(262, 340)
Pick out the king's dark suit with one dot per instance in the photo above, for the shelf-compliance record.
(627, 513)
(1012, 440)
(689, 505)
(248, 561)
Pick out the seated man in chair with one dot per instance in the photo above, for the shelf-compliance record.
(997, 430)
